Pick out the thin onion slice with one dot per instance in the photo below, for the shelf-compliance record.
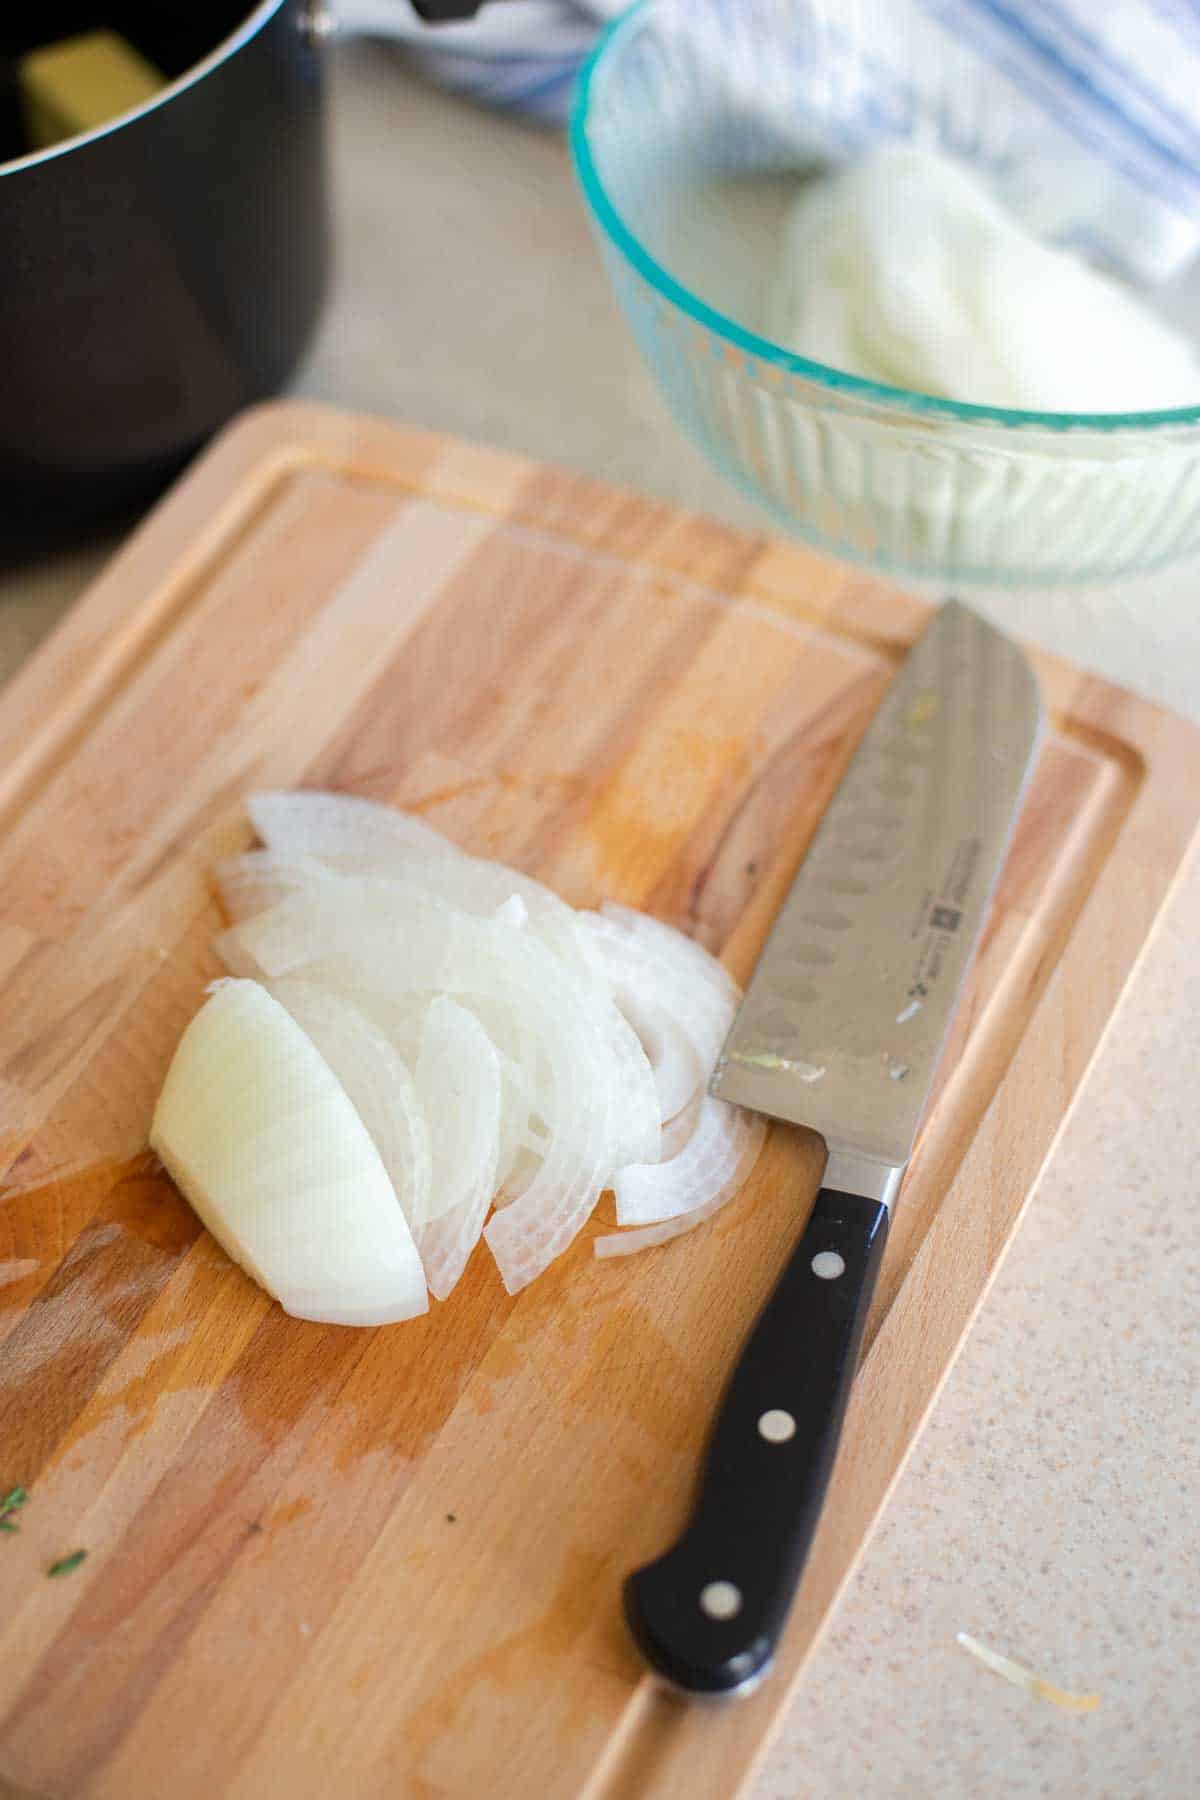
(748, 1134)
(638, 1135)
(678, 998)
(677, 1131)
(377, 1083)
(682, 949)
(303, 823)
(649, 1193)
(263, 1140)
(649, 1237)
(361, 837)
(401, 1019)
(485, 890)
(1024, 1677)
(261, 879)
(459, 1080)
(512, 912)
(671, 1052)
(234, 959)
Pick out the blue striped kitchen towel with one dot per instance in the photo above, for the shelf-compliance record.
(1097, 102)
(520, 55)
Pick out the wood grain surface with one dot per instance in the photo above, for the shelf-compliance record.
(388, 1563)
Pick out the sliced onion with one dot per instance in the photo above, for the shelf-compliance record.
(459, 1080)
(648, 1193)
(272, 944)
(360, 837)
(513, 913)
(672, 1054)
(677, 1131)
(681, 1194)
(338, 825)
(377, 1083)
(677, 997)
(681, 949)
(638, 1136)
(261, 879)
(588, 1080)
(489, 890)
(412, 1027)
(649, 1237)
(495, 1045)
(523, 1139)
(263, 1140)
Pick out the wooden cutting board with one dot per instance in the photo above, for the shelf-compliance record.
(389, 1562)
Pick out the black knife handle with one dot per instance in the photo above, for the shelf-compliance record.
(707, 1615)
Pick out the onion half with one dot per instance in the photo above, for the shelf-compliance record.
(263, 1140)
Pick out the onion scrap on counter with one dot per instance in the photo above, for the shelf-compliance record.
(1023, 1677)
(413, 1038)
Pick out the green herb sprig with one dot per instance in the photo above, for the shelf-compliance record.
(10, 1503)
(66, 1564)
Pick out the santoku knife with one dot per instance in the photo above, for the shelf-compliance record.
(840, 1030)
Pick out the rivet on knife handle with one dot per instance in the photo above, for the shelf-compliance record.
(708, 1614)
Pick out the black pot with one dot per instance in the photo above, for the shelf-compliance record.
(163, 271)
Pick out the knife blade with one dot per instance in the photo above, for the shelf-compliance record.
(841, 1030)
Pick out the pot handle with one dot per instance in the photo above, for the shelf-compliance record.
(408, 20)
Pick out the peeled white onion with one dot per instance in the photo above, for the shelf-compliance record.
(264, 1142)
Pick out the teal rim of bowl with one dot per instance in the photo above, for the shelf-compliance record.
(652, 271)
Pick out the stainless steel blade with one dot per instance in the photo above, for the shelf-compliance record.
(844, 1020)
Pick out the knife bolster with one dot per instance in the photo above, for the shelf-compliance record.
(851, 1172)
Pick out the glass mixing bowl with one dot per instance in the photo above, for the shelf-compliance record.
(687, 191)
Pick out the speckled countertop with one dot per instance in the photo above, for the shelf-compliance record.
(1051, 1507)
